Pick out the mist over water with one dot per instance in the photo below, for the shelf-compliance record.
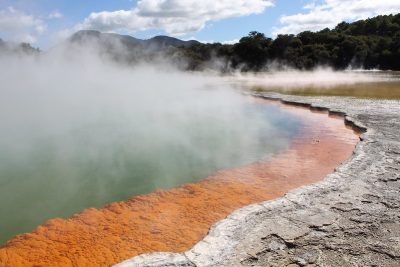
(79, 131)
(320, 78)
(326, 82)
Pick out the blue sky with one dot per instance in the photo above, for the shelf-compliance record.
(45, 22)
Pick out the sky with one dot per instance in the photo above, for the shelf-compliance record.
(43, 23)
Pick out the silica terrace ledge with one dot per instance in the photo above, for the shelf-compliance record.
(351, 218)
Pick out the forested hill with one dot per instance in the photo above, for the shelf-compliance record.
(14, 48)
(371, 44)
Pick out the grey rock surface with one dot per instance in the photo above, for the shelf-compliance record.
(351, 218)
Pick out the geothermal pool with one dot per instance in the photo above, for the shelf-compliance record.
(46, 173)
(175, 219)
(74, 139)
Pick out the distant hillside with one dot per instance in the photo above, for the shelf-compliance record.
(165, 41)
(127, 49)
(156, 42)
(15, 48)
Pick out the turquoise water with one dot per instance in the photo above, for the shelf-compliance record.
(59, 173)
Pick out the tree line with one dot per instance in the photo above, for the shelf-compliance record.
(373, 43)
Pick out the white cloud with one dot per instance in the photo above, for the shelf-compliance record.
(331, 12)
(55, 15)
(18, 26)
(176, 17)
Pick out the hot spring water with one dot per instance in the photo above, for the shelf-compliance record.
(78, 138)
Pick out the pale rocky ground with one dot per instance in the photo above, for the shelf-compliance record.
(351, 218)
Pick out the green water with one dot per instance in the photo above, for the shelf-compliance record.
(52, 169)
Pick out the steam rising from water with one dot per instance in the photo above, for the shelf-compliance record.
(320, 78)
(78, 131)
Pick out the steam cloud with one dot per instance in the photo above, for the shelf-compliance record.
(78, 130)
(320, 78)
